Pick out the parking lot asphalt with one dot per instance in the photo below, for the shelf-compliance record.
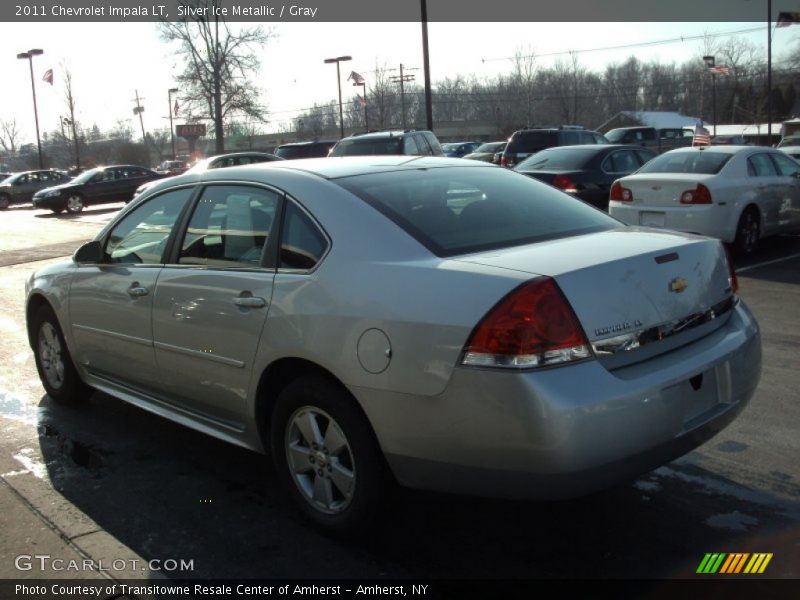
(162, 491)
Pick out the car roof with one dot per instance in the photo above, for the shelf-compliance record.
(347, 166)
(721, 149)
(383, 134)
(310, 143)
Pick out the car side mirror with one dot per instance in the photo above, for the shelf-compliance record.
(89, 253)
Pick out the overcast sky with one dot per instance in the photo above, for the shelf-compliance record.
(109, 61)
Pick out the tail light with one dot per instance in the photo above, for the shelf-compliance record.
(699, 195)
(620, 194)
(565, 184)
(504, 161)
(533, 326)
(732, 279)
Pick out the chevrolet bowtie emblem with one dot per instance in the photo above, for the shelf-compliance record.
(678, 285)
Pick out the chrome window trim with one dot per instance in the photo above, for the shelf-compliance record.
(634, 340)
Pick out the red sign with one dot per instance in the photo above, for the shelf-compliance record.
(190, 130)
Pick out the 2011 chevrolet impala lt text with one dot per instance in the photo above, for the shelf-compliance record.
(449, 324)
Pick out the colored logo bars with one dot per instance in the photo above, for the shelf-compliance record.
(734, 563)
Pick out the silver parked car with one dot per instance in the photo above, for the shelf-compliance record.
(449, 324)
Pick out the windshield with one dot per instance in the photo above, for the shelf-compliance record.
(491, 147)
(199, 166)
(701, 162)
(557, 159)
(615, 135)
(86, 175)
(460, 210)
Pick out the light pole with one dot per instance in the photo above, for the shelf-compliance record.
(29, 55)
(366, 117)
(769, 72)
(337, 60)
(710, 63)
(171, 128)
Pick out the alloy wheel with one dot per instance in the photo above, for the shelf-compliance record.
(320, 460)
(74, 204)
(50, 355)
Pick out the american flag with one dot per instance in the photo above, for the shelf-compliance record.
(720, 70)
(48, 76)
(701, 136)
(357, 79)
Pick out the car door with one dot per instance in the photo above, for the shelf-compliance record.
(99, 188)
(789, 173)
(25, 188)
(211, 303)
(132, 178)
(111, 303)
(763, 177)
(618, 163)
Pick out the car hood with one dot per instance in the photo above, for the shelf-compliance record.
(60, 187)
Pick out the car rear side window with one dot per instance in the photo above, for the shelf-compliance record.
(141, 236)
(786, 166)
(701, 162)
(302, 243)
(230, 227)
(461, 210)
(759, 165)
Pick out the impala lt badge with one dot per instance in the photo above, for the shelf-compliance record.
(678, 285)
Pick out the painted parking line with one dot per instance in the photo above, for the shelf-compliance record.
(766, 263)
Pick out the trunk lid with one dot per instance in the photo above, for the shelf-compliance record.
(630, 280)
(661, 189)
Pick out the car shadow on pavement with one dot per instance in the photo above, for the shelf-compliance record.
(84, 213)
(166, 491)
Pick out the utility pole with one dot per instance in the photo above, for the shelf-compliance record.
(426, 65)
(401, 80)
(138, 110)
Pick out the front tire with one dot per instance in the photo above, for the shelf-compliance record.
(327, 457)
(53, 362)
(748, 233)
(74, 204)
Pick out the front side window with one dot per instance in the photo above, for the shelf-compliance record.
(410, 146)
(141, 236)
(230, 227)
(786, 166)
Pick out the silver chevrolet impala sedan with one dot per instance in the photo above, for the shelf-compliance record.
(447, 324)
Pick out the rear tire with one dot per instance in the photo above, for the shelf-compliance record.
(748, 233)
(5, 202)
(53, 362)
(327, 457)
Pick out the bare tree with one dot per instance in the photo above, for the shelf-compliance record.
(524, 75)
(381, 94)
(9, 135)
(69, 100)
(218, 66)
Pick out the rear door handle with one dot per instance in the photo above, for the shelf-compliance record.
(137, 291)
(250, 301)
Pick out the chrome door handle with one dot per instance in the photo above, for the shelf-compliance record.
(137, 291)
(250, 301)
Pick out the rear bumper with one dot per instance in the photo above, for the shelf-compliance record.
(567, 431)
(711, 220)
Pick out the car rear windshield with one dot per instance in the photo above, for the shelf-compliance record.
(292, 152)
(558, 159)
(615, 135)
(701, 162)
(532, 141)
(368, 147)
(459, 210)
